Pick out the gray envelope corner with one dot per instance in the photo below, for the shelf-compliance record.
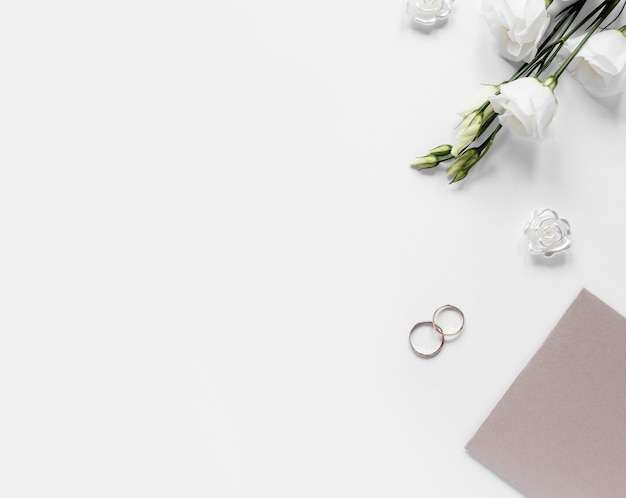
(559, 431)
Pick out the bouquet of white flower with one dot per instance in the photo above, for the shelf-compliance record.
(576, 39)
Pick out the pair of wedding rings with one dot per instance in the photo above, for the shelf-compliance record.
(436, 326)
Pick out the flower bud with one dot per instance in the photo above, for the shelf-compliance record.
(442, 150)
(433, 158)
(462, 165)
(468, 131)
(459, 176)
(478, 99)
(425, 162)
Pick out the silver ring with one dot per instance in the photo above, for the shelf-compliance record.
(419, 353)
(438, 327)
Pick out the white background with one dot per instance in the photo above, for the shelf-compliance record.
(213, 248)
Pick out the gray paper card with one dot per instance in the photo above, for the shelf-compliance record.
(560, 429)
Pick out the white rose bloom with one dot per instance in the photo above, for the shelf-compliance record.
(600, 66)
(517, 25)
(547, 233)
(526, 107)
(428, 12)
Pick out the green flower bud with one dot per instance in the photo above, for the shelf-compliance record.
(424, 162)
(488, 112)
(459, 176)
(461, 166)
(468, 130)
(442, 150)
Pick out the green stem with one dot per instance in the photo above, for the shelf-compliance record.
(608, 7)
(565, 24)
(486, 145)
(482, 150)
(569, 15)
(445, 158)
(592, 14)
(487, 124)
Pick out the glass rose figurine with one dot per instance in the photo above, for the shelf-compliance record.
(547, 233)
(428, 12)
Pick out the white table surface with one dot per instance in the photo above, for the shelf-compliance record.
(213, 248)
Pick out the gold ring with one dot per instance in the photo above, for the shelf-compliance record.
(438, 327)
(419, 353)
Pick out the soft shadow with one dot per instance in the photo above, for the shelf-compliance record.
(556, 261)
(523, 155)
(484, 169)
(611, 104)
(427, 29)
(428, 171)
(453, 338)
(508, 151)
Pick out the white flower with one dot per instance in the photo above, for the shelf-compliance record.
(427, 12)
(600, 66)
(547, 233)
(517, 25)
(526, 107)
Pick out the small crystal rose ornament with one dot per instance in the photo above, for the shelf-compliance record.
(428, 12)
(547, 233)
